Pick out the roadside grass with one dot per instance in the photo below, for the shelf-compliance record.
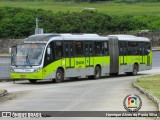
(5, 55)
(156, 47)
(150, 84)
(112, 8)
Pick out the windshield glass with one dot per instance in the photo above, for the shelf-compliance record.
(28, 54)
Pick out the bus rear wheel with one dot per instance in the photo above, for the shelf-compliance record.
(32, 81)
(135, 70)
(59, 76)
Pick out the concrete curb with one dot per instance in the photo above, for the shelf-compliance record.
(156, 100)
(155, 49)
(3, 93)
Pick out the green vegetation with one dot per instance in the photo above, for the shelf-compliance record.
(17, 17)
(111, 8)
(20, 23)
(151, 84)
(132, 1)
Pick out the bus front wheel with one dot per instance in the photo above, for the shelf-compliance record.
(59, 76)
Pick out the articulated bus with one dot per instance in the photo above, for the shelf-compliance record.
(61, 56)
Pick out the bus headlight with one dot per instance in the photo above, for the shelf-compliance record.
(11, 70)
(37, 70)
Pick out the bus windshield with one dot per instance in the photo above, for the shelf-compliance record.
(28, 54)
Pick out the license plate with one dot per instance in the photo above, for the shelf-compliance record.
(22, 76)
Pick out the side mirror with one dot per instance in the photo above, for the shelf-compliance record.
(48, 50)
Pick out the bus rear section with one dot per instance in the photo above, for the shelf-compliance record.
(129, 54)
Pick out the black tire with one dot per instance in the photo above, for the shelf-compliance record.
(91, 77)
(129, 73)
(74, 78)
(135, 70)
(113, 74)
(59, 76)
(97, 73)
(32, 81)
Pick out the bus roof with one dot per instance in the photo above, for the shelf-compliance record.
(44, 38)
(39, 38)
(81, 35)
(129, 38)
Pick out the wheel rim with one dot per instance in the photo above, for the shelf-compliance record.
(97, 73)
(135, 71)
(59, 75)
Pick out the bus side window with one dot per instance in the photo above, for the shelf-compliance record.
(91, 49)
(147, 48)
(123, 48)
(98, 48)
(86, 49)
(105, 48)
(71, 50)
(120, 48)
(79, 48)
(49, 56)
(133, 48)
(58, 49)
(66, 50)
(141, 48)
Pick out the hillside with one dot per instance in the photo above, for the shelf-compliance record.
(112, 8)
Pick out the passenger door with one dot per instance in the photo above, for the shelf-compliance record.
(69, 55)
(89, 54)
(123, 52)
(142, 52)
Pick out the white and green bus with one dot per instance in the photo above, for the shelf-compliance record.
(60, 56)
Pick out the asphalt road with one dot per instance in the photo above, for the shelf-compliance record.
(156, 59)
(106, 94)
